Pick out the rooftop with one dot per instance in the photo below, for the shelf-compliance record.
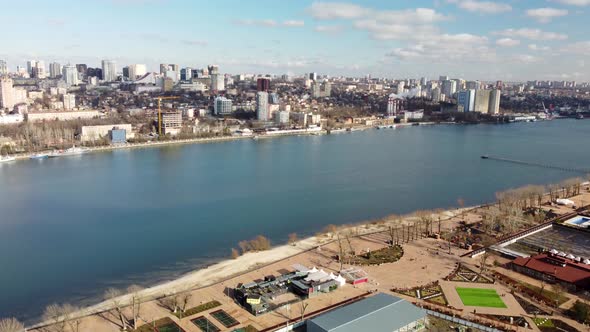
(561, 268)
(381, 312)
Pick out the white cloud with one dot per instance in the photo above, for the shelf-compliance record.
(270, 23)
(329, 28)
(580, 48)
(525, 58)
(545, 15)
(574, 2)
(533, 34)
(336, 10)
(507, 42)
(535, 47)
(293, 23)
(486, 7)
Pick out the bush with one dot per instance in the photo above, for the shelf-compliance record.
(581, 312)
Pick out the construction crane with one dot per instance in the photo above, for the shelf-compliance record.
(160, 113)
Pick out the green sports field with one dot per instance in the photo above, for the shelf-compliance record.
(480, 297)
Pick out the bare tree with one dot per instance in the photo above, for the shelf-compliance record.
(11, 325)
(302, 307)
(56, 315)
(341, 250)
(234, 253)
(171, 303)
(292, 238)
(113, 295)
(184, 300)
(135, 303)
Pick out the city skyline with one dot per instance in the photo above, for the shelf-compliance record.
(471, 39)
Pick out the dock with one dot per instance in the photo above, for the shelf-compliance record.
(534, 164)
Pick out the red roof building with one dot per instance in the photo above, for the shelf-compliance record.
(555, 269)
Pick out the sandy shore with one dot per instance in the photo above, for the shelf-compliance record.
(230, 268)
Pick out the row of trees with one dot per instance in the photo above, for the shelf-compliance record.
(259, 243)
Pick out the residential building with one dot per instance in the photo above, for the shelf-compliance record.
(449, 88)
(222, 106)
(495, 101)
(262, 106)
(263, 84)
(136, 70)
(30, 65)
(436, 94)
(55, 70)
(69, 101)
(109, 70)
(313, 76)
(473, 85)
(482, 101)
(281, 117)
(3, 68)
(321, 90)
(186, 74)
(38, 69)
(379, 313)
(60, 115)
(401, 87)
(465, 100)
(217, 82)
(6, 93)
(70, 74)
(171, 122)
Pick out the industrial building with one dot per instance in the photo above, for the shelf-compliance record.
(118, 133)
(379, 313)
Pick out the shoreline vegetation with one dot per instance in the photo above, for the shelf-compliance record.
(198, 140)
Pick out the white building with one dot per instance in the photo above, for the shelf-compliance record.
(262, 106)
(93, 133)
(449, 88)
(281, 117)
(222, 106)
(494, 107)
(69, 101)
(55, 70)
(109, 70)
(136, 70)
(11, 118)
(38, 71)
(466, 101)
(70, 74)
(217, 82)
(69, 115)
(6, 93)
(3, 68)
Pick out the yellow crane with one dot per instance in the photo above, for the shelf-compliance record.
(160, 112)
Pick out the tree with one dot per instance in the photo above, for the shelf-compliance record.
(172, 303)
(331, 229)
(11, 325)
(135, 303)
(113, 294)
(302, 307)
(292, 238)
(184, 300)
(234, 253)
(56, 314)
(581, 312)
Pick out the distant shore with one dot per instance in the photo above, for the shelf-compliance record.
(28, 155)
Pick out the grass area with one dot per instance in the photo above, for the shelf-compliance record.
(198, 309)
(480, 297)
(384, 255)
(162, 325)
(542, 322)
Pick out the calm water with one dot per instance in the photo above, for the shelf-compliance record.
(71, 227)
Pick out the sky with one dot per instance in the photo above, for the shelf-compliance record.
(510, 40)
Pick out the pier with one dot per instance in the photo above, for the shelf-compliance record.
(542, 165)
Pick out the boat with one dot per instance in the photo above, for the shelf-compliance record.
(73, 151)
(580, 117)
(39, 156)
(485, 156)
(6, 159)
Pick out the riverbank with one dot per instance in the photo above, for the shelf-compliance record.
(228, 269)
(153, 144)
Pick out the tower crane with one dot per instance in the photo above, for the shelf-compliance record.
(160, 112)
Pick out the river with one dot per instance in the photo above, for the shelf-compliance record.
(71, 227)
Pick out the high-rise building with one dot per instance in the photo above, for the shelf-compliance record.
(217, 82)
(499, 85)
(54, 70)
(465, 100)
(401, 87)
(6, 93)
(70, 74)
(273, 98)
(213, 69)
(494, 107)
(109, 70)
(125, 71)
(482, 101)
(186, 74)
(263, 84)
(436, 94)
(69, 101)
(321, 90)
(449, 88)
(313, 76)
(222, 106)
(38, 69)
(136, 70)
(423, 81)
(30, 65)
(82, 68)
(3, 68)
(443, 78)
(262, 106)
(473, 85)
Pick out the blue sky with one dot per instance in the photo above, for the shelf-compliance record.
(473, 39)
